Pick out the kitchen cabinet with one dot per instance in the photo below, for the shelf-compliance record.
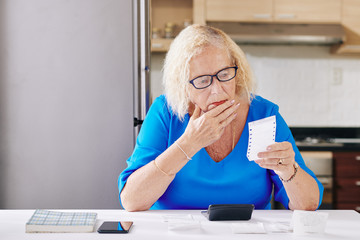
(351, 22)
(163, 12)
(289, 11)
(239, 11)
(346, 12)
(175, 11)
(347, 180)
(307, 11)
(321, 163)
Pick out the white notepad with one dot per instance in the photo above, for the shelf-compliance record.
(261, 135)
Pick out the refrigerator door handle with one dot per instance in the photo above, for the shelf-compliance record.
(141, 62)
(137, 122)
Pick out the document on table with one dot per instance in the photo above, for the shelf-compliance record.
(182, 223)
(261, 135)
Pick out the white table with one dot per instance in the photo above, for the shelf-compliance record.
(341, 224)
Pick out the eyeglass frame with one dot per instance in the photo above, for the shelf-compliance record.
(212, 77)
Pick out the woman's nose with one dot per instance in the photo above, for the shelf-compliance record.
(215, 86)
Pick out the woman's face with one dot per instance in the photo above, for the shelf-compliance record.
(209, 62)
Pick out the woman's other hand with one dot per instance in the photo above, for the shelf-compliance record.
(302, 191)
(206, 128)
(279, 157)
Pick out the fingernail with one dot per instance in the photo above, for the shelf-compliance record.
(237, 105)
(232, 101)
(268, 148)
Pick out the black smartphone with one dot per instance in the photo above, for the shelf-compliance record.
(115, 227)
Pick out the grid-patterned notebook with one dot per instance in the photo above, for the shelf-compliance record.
(53, 221)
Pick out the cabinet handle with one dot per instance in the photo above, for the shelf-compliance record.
(357, 158)
(262, 16)
(286, 16)
(357, 183)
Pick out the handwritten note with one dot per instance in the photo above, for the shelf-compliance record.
(261, 134)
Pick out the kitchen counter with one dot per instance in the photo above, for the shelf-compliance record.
(333, 154)
(348, 147)
(334, 139)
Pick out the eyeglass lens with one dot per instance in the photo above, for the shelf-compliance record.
(223, 76)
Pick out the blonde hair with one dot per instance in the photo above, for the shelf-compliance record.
(189, 43)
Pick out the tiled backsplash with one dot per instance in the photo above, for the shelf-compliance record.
(311, 86)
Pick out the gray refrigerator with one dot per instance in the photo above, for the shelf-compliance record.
(73, 85)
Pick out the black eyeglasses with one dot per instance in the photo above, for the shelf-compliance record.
(223, 75)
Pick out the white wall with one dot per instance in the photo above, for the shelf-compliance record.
(311, 86)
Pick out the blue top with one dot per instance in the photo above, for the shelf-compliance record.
(202, 181)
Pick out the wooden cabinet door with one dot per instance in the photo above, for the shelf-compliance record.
(307, 11)
(347, 165)
(238, 10)
(347, 179)
(350, 206)
(351, 21)
(348, 190)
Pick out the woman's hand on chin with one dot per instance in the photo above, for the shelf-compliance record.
(206, 128)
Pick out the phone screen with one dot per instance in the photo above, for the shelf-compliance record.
(115, 227)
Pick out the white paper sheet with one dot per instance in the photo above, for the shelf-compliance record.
(305, 222)
(261, 135)
(177, 217)
(248, 227)
(181, 223)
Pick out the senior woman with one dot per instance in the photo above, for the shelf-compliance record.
(191, 150)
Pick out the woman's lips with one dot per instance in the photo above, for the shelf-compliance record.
(215, 104)
(218, 103)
